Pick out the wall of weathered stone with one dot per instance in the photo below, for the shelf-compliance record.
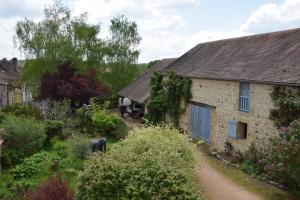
(223, 96)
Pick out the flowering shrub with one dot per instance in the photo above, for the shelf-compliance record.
(282, 158)
(54, 188)
(151, 163)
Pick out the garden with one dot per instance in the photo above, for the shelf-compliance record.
(47, 154)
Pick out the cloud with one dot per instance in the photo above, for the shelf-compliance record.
(7, 28)
(159, 22)
(170, 44)
(272, 17)
(22, 8)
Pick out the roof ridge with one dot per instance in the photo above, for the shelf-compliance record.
(250, 36)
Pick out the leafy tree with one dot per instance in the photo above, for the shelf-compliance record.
(60, 37)
(123, 42)
(65, 84)
(55, 39)
(122, 54)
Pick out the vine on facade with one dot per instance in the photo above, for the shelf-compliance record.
(168, 96)
(286, 100)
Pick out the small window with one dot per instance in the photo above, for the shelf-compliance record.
(241, 130)
(244, 96)
(237, 130)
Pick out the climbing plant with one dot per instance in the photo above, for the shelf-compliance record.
(287, 105)
(170, 95)
(157, 107)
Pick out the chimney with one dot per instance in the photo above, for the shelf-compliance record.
(14, 64)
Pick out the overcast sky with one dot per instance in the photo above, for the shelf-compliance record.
(168, 27)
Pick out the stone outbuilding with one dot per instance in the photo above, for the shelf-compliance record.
(231, 84)
(11, 88)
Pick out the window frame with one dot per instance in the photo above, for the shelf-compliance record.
(244, 97)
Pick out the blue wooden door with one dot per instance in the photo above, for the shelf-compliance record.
(200, 122)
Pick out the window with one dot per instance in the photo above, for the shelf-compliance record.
(237, 130)
(244, 96)
(241, 131)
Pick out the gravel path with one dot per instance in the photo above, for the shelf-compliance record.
(215, 186)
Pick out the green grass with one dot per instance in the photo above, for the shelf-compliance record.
(265, 190)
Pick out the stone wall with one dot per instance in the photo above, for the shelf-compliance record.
(223, 97)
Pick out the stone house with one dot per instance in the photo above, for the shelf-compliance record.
(11, 89)
(231, 84)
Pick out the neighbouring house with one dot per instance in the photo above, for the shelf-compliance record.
(11, 90)
(231, 84)
(139, 90)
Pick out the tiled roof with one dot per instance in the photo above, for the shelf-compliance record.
(139, 90)
(9, 72)
(271, 58)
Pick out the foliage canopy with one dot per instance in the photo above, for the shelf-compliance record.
(59, 37)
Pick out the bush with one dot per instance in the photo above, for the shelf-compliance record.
(84, 115)
(110, 125)
(22, 137)
(151, 163)
(80, 147)
(281, 159)
(30, 166)
(54, 128)
(23, 110)
(54, 188)
(61, 148)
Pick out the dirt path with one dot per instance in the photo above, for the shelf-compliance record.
(215, 186)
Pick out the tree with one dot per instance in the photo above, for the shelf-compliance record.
(55, 39)
(60, 37)
(122, 54)
(123, 42)
(66, 84)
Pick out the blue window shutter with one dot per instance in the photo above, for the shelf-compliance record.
(244, 97)
(232, 129)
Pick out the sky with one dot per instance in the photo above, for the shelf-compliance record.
(168, 28)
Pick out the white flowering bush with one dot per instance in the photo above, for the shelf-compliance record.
(151, 163)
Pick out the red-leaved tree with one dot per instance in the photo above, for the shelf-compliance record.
(66, 84)
(54, 188)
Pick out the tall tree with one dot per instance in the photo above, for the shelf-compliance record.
(124, 41)
(55, 39)
(122, 53)
(60, 37)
